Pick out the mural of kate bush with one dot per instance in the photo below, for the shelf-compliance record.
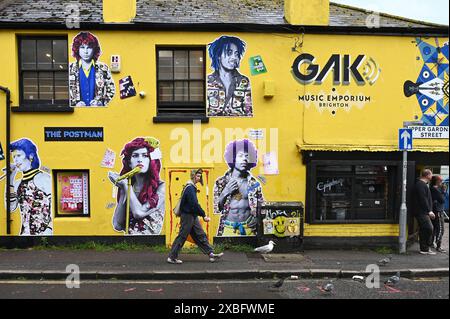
(90, 81)
(147, 196)
(33, 193)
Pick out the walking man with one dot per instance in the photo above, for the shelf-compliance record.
(423, 211)
(190, 225)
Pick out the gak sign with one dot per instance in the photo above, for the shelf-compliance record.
(343, 68)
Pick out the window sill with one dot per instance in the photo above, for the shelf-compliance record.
(42, 109)
(180, 119)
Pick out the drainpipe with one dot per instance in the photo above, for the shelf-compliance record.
(8, 158)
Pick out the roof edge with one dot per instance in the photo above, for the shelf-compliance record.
(248, 27)
(389, 15)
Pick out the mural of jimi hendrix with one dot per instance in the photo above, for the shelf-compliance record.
(238, 195)
(229, 92)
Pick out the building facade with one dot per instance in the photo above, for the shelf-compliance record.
(277, 101)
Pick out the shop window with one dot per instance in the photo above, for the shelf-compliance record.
(72, 193)
(43, 72)
(181, 82)
(343, 192)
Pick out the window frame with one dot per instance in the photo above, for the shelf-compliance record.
(55, 183)
(393, 200)
(41, 105)
(198, 107)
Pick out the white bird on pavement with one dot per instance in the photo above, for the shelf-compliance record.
(266, 248)
(384, 261)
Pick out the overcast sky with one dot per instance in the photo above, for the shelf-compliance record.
(435, 11)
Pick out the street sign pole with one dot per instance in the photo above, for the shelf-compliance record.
(405, 144)
(403, 208)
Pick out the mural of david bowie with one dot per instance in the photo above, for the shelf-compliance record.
(33, 193)
(228, 91)
(238, 195)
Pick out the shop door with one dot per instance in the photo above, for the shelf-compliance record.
(177, 178)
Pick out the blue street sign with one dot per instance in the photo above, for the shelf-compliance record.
(405, 139)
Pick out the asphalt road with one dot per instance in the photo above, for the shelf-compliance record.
(421, 288)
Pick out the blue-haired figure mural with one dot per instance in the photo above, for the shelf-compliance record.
(229, 92)
(33, 193)
(237, 194)
(431, 87)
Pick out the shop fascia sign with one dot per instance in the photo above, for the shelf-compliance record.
(344, 67)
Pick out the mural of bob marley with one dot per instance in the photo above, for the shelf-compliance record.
(90, 80)
(237, 194)
(228, 91)
(147, 196)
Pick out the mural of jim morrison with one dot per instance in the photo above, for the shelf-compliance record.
(33, 193)
(90, 80)
(431, 87)
(147, 196)
(237, 194)
(228, 91)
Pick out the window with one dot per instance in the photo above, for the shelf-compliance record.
(181, 81)
(72, 193)
(43, 69)
(342, 191)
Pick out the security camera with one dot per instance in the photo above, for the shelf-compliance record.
(142, 94)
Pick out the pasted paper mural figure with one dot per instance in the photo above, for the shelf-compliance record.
(431, 87)
(229, 92)
(237, 194)
(33, 193)
(126, 87)
(90, 80)
(147, 194)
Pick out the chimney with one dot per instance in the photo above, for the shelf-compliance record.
(307, 12)
(119, 11)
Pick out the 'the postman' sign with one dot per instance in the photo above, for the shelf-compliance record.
(71, 134)
(431, 132)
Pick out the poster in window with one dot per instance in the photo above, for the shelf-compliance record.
(73, 195)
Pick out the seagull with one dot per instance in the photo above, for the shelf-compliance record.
(279, 283)
(393, 280)
(384, 261)
(266, 248)
(328, 287)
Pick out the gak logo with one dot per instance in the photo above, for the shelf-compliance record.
(343, 67)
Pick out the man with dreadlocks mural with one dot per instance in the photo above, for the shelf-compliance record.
(148, 191)
(229, 92)
(237, 194)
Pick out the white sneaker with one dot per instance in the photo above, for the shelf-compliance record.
(174, 261)
(216, 255)
(430, 252)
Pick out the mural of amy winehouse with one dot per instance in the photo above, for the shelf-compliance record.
(229, 92)
(32, 194)
(147, 195)
(90, 81)
(237, 194)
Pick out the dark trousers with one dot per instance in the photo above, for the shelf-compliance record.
(438, 228)
(425, 232)
(190, 225)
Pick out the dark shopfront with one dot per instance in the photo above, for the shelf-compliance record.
(361, 188)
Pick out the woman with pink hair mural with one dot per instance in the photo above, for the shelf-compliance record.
(147, 195)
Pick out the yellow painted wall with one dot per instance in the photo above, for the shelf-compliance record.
(123, 120)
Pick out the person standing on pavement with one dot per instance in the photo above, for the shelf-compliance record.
(190, 210)
(422, 207)
(438, 196)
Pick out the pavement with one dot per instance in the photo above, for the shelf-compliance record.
(146, 265)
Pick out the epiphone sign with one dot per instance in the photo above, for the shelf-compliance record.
(343, 67)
